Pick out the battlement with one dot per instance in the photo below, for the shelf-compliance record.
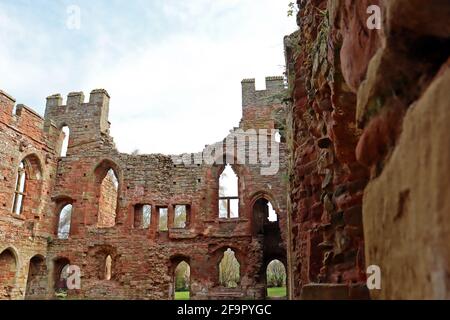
(54, 101)
(23, 119)
(272, 95)
(6, 106)
(4, 95)
(22, 109)
(21, 113)
(76, 99)
(76, 110)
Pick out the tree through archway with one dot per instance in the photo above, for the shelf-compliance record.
(276, 279)
(229, 270)
(182, 281)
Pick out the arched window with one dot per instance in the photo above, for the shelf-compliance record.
(108, 200)
(65, 218)
(64, 273)
(229, 270)
(108, 267)
(65, 143)
(228, 194)
(264, 215)
(8, 269)
(36, 282)
(61, 273)
(28, 185)
(273, 217)
(19, 193)
(278, 137)
(182, 281)
(276, 279)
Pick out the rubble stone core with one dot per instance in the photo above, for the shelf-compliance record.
(118, 257)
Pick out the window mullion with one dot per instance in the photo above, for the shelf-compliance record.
(15, 203)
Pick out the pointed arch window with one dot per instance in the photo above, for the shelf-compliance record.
(19, 193)
(65, 131)
(108, 199)
(228, 194)
(108, 268)
(65, 218)
(182, 277)
(229, 270)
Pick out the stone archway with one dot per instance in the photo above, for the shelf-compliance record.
(182, 279)
(266, 229)
(180, 271)
(276, 280)
(60, 274)
(8, 271)
(37, 278)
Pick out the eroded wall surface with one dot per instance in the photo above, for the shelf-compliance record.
(369, 149)
(327, 182)
(403, 109)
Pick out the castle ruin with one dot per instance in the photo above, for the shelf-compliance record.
(362, 177)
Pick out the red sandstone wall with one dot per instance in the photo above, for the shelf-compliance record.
(406, 145)
(326, 180)
(143, 260)
(351, 88)
(25, 135)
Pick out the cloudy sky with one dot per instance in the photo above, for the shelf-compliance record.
(172, 67)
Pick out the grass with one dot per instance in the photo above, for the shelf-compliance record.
(182, 295)
(276, 292)
(271, 292)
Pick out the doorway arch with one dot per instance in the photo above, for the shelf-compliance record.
(276, 280)
(266, 229)
(180, 269)
(8, 271)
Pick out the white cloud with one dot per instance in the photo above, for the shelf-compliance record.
(171, 92)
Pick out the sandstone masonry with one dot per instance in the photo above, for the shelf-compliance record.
(143, 259)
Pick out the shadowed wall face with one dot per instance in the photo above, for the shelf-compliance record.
(364, 126)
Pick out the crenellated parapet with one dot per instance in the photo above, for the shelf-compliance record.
(259, 107)
(6, 106)
(272, 95)
(23, 118)
(76, 106)
(87, 120)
